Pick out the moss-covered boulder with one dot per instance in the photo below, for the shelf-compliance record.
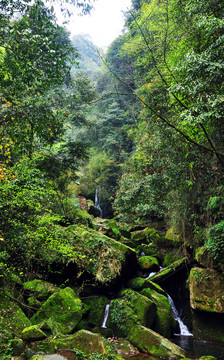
(207, 290)
(148, 263)
(12, 318)
(173, 234)
(32, 333)
(141, 283)
(141, 236)
(113, 229)
(125, 349)
(39, 289)
(170, 270)
(143, 307)
(103, 257)
(136, 283)
(164, 322)
(203, 257)
(82, 340)
(150, 250)
(156, 345)
(95, 308)
(63, 308)
(121, 317)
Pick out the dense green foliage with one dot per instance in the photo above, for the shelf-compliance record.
(146, 130)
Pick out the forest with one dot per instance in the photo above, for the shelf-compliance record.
(111, 183)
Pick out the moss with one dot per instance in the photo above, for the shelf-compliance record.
(207, 290)
(83, 340)
(141, 235)
(99, 254)
(12, 317)
(121, 317)
(143, 307)
(140, 284)
(170, 270)
(173, 234)
(136, 283)
(96, 308)
(203, 257)
(164, 321)
(155, 344)
(63, 307)
(170, 258)
(149, 263)
(32, 333)
(39, 288)
(205, 357)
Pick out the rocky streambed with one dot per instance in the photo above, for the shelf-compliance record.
(106, 298)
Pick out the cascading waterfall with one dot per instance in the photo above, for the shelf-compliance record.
(97, 204)
(106, 314)
(183, 328)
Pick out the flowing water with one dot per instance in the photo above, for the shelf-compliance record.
(97, 204)
(183, 328)
(106, 314)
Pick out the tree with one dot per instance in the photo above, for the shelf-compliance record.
(28, 108)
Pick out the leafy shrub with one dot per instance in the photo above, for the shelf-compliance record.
(215, 241)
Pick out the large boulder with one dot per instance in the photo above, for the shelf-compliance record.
(121, 317)
(203, 257)
(32, 333)
(170, 270)
(148, 263)
(207, 290)
(141, 236)
(156, 345)
(82, 340)
(164, 322)
(140, 284)
(103, 257)
(143, 307)
(12, 318)
(39, 289)
(63, 308)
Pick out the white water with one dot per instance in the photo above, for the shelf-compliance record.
(106, 314)
(97, 204)
(183, 328)
(154, 273)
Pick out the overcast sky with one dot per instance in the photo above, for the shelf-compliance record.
(104, 24)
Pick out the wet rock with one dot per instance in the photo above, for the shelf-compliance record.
(143, 307)
(12, 318)
(141, 236)
(164, 322)
(170, 270)
(141, 283)
(82, 340)
(32, 333)
(124, 348)
(148, 263)
(63, 308)
(207, 290)
(39, 289)
(103, 257)
(147, 340)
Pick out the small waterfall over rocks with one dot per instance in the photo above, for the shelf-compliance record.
(106, 314)
(183, 328)
(97, 203)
